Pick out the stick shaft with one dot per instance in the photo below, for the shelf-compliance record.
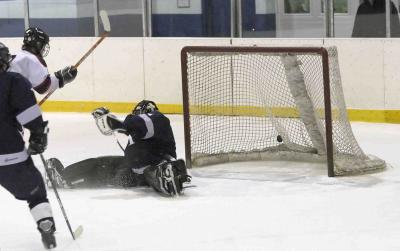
(57, 195)
(103, 36)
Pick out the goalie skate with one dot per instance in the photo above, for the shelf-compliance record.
(167, 180)
(167, 177)
(173, 175)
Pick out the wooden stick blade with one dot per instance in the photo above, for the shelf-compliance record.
(78, 232)
(105, 20)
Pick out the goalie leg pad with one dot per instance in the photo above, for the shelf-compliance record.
(167, 177)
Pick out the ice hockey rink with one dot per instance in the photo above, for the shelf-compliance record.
(277, 206)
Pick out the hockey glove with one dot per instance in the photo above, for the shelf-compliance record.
(107, 122)
(101, 111)
(38, 140)
(66, 75)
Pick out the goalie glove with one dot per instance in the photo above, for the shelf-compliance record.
(107, 122)
(101, 111)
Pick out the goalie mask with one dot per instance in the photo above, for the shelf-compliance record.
(36, 41)
(5, 57)
(144, 106)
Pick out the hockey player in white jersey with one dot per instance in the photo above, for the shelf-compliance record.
(18, 174)
(30, 63)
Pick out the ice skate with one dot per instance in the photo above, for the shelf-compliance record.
(169, 183)
(172, 176)
(47, 229)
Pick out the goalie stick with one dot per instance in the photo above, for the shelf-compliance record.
(78, 232)
(107, 30)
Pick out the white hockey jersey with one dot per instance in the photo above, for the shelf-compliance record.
(35, 70)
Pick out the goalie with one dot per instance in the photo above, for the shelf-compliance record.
(150, 156)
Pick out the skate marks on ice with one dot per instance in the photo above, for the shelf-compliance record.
(131, 193)
(282, 171)
(68, 245)
(30, 241)
(122, 193)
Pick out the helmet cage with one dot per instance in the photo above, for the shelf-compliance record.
(45, 50)
(5, 57)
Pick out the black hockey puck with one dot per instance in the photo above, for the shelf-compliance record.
(279, 138)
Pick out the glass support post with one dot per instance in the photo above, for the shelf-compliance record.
(96, 17)
(26, 14)
(387, 8)
(233, 18)
(329, 18)
(144, 18)
(149, 14)
(238, 17)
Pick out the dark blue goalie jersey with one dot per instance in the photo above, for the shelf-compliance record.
(151, 138)
(17, 107)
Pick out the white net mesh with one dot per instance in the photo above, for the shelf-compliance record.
(268, 105)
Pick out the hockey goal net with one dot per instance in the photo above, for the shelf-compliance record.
(268, 103)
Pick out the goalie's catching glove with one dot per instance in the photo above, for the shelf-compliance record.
(101, 111)
(66, 75)
(107, 122)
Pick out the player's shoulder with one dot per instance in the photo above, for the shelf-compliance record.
(157, 116)
(19, 78)
(24, 56)
(10, 75)
(15, 78)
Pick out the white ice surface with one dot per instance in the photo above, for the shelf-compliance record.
(275, 206)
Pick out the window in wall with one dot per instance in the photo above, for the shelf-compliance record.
(339, 6)
(67, 18)
(126, 17)
(297, 6)
(12, 18)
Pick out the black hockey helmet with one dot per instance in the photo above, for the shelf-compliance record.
(5, 57)
(145, 106)
(36, 41)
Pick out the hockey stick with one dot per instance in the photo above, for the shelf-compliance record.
(75, 234)
(107, 30)
(119, 144)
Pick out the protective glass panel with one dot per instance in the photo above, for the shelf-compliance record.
(11, 18)
(370, 19)
(67, 18)
(194, 18)
(339, 6)
(126, 17)
(345, 12)
(297, 6)
(259, 18)
(299, 19)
